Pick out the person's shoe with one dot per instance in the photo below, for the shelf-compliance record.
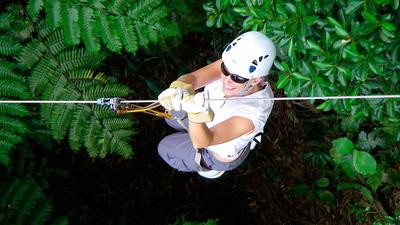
(211, 174)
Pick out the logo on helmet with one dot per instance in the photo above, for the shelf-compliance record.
(253, 67)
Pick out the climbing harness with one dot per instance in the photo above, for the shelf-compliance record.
(122, 106)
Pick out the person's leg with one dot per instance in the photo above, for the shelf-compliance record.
(215, 164)
(178, 151)
(179, 121)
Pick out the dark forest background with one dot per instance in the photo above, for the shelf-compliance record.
(320, 162)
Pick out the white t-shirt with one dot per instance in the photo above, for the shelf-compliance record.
(257, 110)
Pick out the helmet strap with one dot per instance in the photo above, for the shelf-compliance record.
(247, 88)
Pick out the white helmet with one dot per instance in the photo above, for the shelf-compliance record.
(250, 55)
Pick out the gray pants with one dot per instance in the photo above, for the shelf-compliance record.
(178, 151)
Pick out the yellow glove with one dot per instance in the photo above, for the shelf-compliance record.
(197, 108)
(187, 87)
(172, 96)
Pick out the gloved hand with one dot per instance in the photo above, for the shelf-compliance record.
(197, 107)
(171, 97)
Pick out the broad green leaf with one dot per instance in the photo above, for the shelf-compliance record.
(367, 194)
(364, 163)
(322, 182)
(211, 20)
(334, 22)
(300, 77)
(218, 22)
(322, 65)
(375, 68)
(310, 20)
(300, 189)
(369, 17)
(352, 7)
(314, 45)
(325, 195)
(388, 26)
(291, 48)
(241, 10)
(396, 4)
(343, 145)
(341, 32)
(290, 8)
(282, 82)
(348, 167)
(325, 106)
(375, 181)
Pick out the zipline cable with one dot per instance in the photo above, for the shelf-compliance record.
(221, 99)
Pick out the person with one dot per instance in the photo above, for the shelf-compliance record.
(215, 136)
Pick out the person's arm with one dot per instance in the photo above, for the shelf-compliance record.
(203, 76)
(234, 127)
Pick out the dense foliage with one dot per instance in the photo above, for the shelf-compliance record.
(59, 49)
(334, 48)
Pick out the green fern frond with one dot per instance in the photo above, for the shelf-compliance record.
(42, 213)
(9, 137)
(156, 15)
(99, 4)
(117, 123)
(128, 36)
(100, 91)
(102, 78)
(41, 75)
(89, 32)
(33, 8)
(108, 32)
(9, 189)
(19, 193)
(78, 58)
(12, 88)
(31, 54)
(69, 20)
(104, 144)
(80, 116)
(43, 29)
(142, 7)
(30, 200)
(9, 46)
(7, 70)
(92, 131)
(121, 148)
(13, 125)
(83, 74)
(142, 31)
(53, 92)
(56, 42)
(61, 221)
(102, 112)
(22, 31)
(4, 153)
(61, 118)
(17, 110)
(5, 20)
(53, 15)
(124, 134)
(119, 6)
(167, 29)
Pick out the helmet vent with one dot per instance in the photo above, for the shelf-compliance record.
(252, 69)
(266, 56)
(228, 48)
(255, 62)
(260, 58)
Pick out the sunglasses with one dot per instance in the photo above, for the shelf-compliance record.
(236, 78)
